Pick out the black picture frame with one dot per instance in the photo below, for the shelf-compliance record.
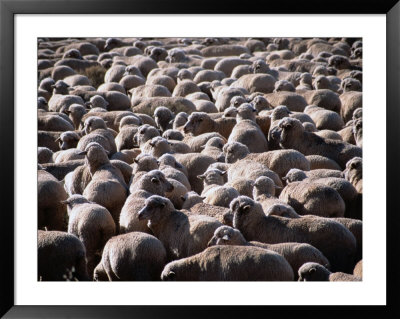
(7, 11)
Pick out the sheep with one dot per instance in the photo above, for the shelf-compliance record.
(226, 65)
(51, 211)
(76, 113)
(68, 139)
(92, 224)
(67, 255)
(230, 263)
(313, 198)
(134, 256)
(164, 80)
(199, 123)
(181, 235)
(283, 85)
(202, 105)
(176, 104)
(156, 147)
(224, 50)
(217, 212)
(163, 116)
(151, 183)
(45, 155)
(312, 271)
(293, 136)
(143, 164)
(293, 101)
(214, 191)
(324, 98)
(244, 186)
(331, 238)
(107, 186)
(224, 97)
(172, 134)
(353, 173)
(213, 148)
(324, 119)
(296, 254)
(96, 131)
(59, 103)
(255, 83)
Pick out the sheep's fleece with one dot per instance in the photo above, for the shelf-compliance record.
(161, 105)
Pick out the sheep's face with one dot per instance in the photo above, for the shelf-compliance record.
(283, 85)
(241, 206)
(320, 70)
(216, 142)
(197, 123)
(264, 185)
(259, 66)
(159, 182)
(72, 54)
(350, 84)
(290, 128)
(169, 273)
(140, 45)
(60, 88)
(246, 112)
(176, 55)
(226, 235)
(158, 54)
(234, 152)
(145, 133)
(353, 168)
(93, 123)
(98, 101)
(280, 112)
(42, 104)
(213, 177)
(68, 140)
(159, 146)
(357, 54)
(357, 114)
(321, 82)
(294, 175)
(260, 103)
(111, 43)
(339, 62)
(313, 272)
(230, 112)
(180, 120)
(236, 101)
(155, 210)
(173, 135)
(130, 120)
(306, 78)
(145, 163)
(355, 74)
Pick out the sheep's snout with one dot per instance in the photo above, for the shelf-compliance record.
(187, 128)
(142, 213)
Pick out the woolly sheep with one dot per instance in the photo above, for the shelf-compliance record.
(230, 263)
(331, 238)
(312, 271)
(67, 255)
(353, 173)
(322, 162)
(296, 254)
(134, 256)
(324, 119)
(182, 236)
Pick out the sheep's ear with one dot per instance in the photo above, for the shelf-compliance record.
(53, 86)
(64, 201)
(226, 237)
(284, 178)
(183, 198)
(171, 275)
(203, 197)
(154, 180)
(223, 172)
(136, 160)
(151, 144)
(158, 163)
(162, 204)
(312, 270)
(107, 152)
(201, 176)
(277, 187)
(57, 139)
(246, 208)
(67, 112)
(82, 153)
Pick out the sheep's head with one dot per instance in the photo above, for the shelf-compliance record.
(320, 70)
(155, 210)
(190, 199)
(283, 85)
(169, 160)
(130, 120)
(215, 142)
(95, 154)
(280, 112)
(261, 103)
(306, 78)
(173, 135)
(309, 127)
(226, 235)
(145, 132)
(132, 70)
(235, 151)
(281, 210)
(176, 55)
(246, 111)
(144, 163)
(93, 123)
(180, 119)
(350, 84)
(264, 185)
(60, 87)
(238, 100)
(139, 44)
(230, 112)
(159, 146)
(357, 54)
(156, 182)
(357, 114)
(321, 82)
(198, 123)
(72, 54)
(339, 62)
(97, 101)
(313, 272)
(291, 128)
(42, 103)
(242, 208)
(260, 66)
(74, 200)
(213, 176)
(353, 168)
(162, 116)
(111, 43)
(170, 272)
(158, 54)
(294, 175)
(68, 139)
(356, 74)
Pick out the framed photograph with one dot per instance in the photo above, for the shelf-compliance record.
(366, 32)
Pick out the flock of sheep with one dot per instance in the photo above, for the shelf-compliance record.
(200, 159)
